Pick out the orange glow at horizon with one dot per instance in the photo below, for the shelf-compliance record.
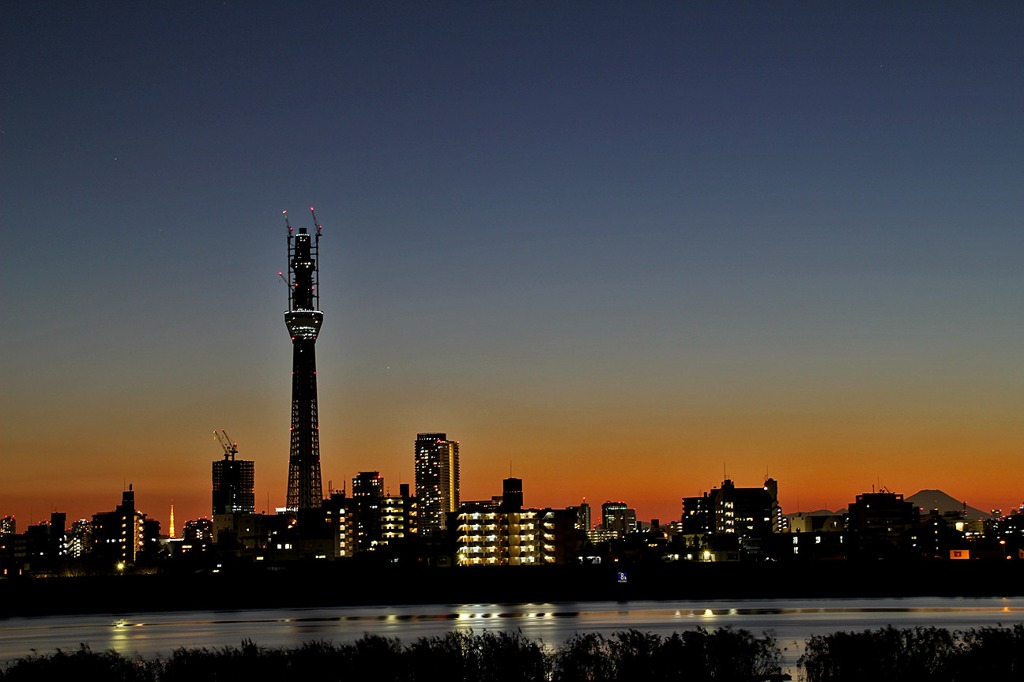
(819, 462)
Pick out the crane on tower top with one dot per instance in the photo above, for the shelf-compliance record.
(230, 449)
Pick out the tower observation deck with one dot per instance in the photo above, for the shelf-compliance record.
(303, 319)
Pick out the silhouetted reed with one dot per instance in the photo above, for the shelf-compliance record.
(695, 655)
(460, 656)
(926, 654)
(489, 657)
(82, 664)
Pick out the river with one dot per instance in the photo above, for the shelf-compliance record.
(792, 621)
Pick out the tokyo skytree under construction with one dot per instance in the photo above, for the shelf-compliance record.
(303, 319)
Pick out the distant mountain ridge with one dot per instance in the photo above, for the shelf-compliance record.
(926, 500)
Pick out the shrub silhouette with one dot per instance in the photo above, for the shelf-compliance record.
(370, 657)
(926, 654)
(247, 661)
(724, 655)
(696, 655)
(990, 653)
(583, 658)
(509, 657)
(81, 664)
(636, 655)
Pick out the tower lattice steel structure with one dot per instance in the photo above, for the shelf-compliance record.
(303, 319)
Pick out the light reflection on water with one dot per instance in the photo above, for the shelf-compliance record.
(790, 621)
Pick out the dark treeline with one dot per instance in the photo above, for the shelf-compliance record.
(925, 654)
(336, 584)
(929, 654)
(488, 657)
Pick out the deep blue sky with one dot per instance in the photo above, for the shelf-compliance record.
(625, 248)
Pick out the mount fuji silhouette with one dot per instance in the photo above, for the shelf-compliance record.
(926, 500)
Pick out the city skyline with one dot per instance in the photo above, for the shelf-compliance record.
(620, 254)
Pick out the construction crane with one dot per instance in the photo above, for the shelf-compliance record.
(230, 449)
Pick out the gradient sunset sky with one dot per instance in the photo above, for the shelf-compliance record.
(620, 250)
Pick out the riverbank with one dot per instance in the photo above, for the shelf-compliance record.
(329, 584)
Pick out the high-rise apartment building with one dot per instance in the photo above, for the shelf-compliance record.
(618, 518)
(503, 533)
(398, 515)
(368, 484)
(746, 512)
(437, 480)
(780, 524)
(490, 536)
(197, 536)
(697, 516)
(512, 494)
(118, 536)
(341, 517)
(367, 492)
(79, 538)
(880, 519)
(583, 522)
(233, 484)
